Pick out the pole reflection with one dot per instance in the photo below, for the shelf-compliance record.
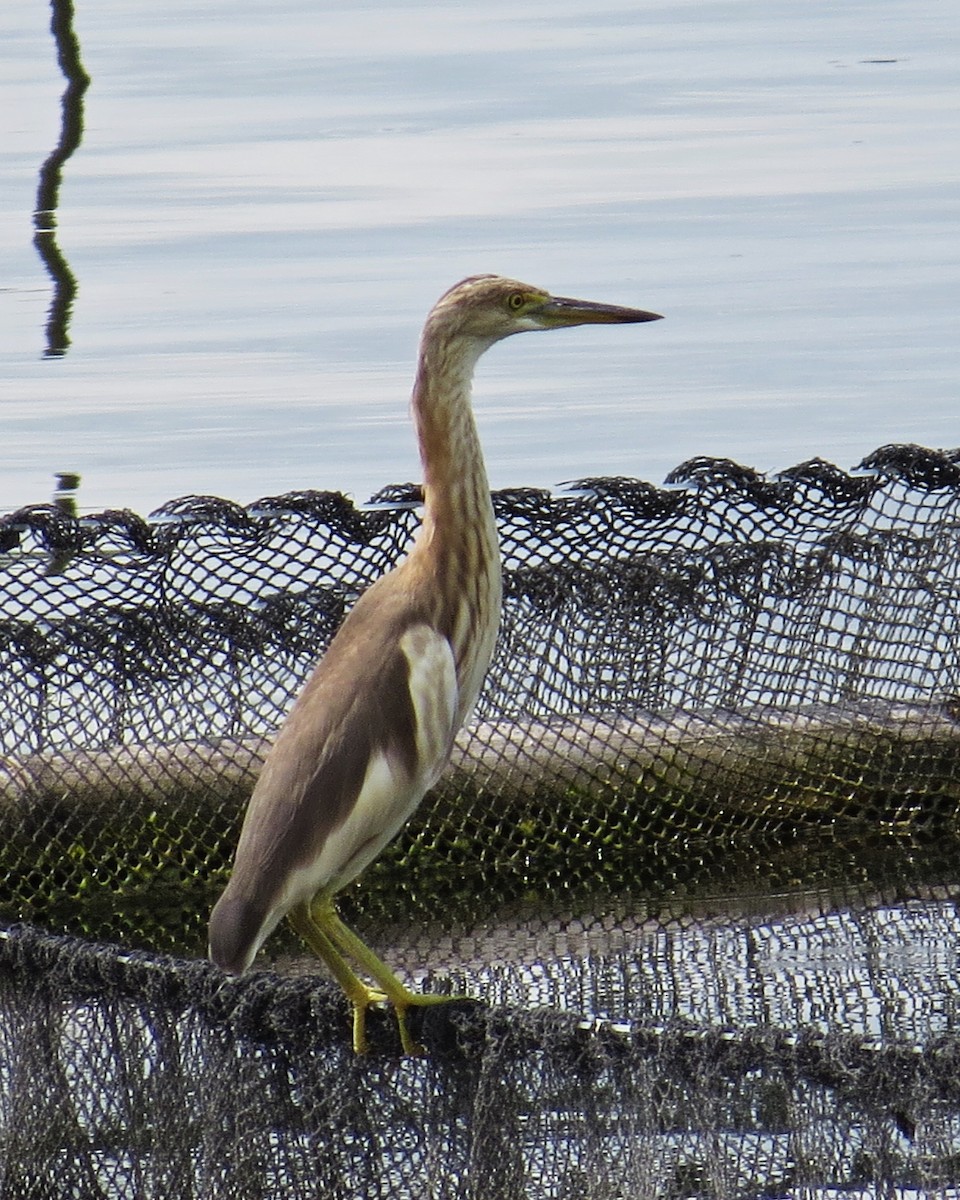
(48, 190)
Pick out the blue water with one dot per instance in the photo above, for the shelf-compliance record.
(268, 197)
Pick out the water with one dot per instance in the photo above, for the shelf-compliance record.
(267, 199)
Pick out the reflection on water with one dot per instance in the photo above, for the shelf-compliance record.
(48, 192)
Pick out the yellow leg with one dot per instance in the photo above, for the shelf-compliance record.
(322, 929)
(400, 996)
(357, 992)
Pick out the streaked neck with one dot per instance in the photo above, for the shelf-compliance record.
(456, 490)
(457, 550)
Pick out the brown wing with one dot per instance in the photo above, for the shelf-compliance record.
(367, 735)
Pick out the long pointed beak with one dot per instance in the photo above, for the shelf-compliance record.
(560, 310)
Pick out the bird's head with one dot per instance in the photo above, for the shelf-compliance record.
(487, 308)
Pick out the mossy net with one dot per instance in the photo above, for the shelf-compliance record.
(695, 855)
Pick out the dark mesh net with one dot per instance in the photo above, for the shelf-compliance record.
(696, 853)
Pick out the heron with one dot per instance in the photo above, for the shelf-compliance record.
(374, 725)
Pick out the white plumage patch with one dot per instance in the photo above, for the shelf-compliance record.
(433, 690)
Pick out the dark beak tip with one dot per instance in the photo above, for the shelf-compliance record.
(635, 316)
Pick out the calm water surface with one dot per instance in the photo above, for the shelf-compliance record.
(268, 197)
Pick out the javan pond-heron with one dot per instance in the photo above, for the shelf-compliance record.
(373, 727)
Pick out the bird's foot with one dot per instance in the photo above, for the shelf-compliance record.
(408, 1043)
(402, 1000)
(327, 935)
(361, 998)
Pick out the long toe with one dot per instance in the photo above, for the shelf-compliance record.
(361, 998)
(408, 1042)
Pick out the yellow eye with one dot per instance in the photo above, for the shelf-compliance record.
(516, 301)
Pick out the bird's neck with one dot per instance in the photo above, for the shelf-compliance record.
(456, 490)
(457, 555)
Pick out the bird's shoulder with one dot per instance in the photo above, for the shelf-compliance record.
(392, 623)
(386, 686)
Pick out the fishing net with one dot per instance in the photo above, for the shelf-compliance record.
(695, 856)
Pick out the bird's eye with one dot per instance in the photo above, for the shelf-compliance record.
(516, 301)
